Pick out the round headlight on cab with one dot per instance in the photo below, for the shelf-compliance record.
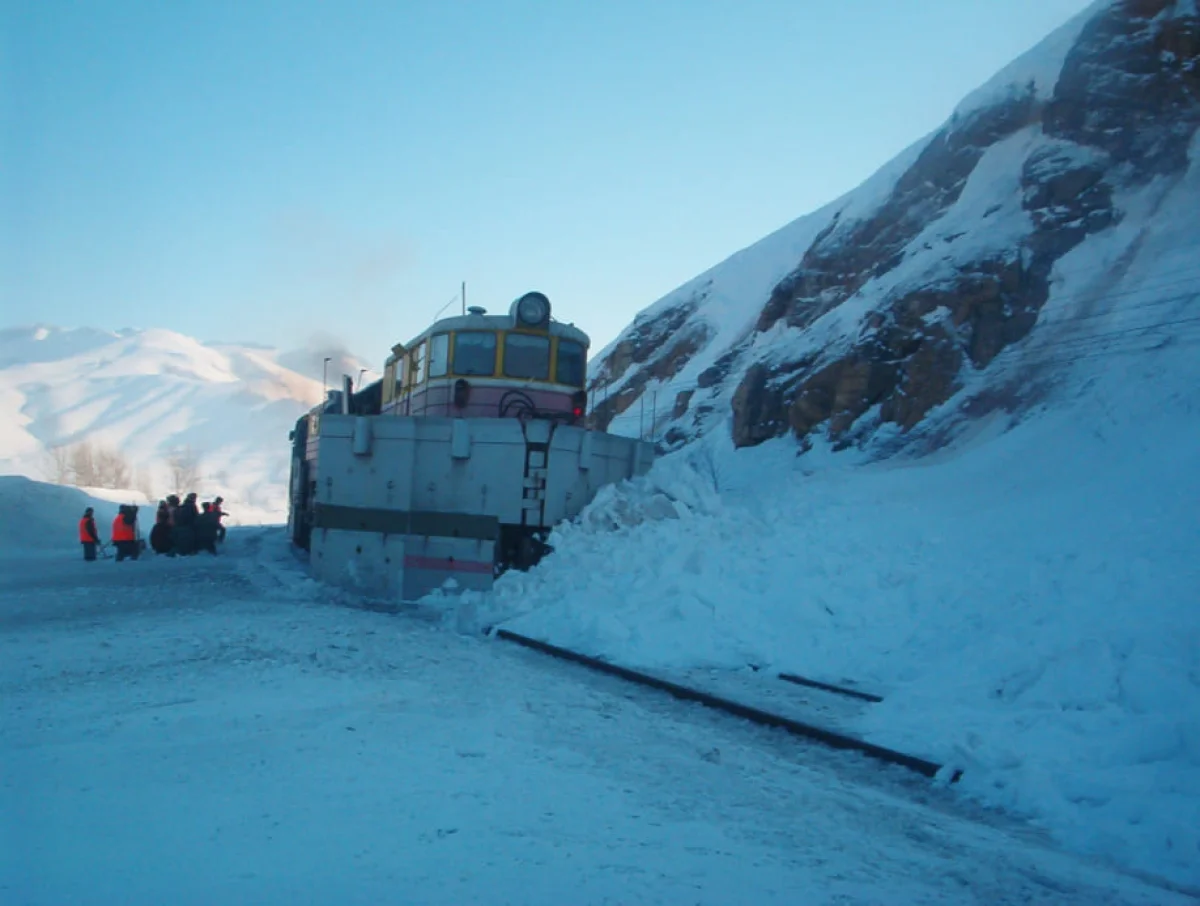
(532, 310)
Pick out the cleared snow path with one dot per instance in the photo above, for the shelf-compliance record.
(215, 731)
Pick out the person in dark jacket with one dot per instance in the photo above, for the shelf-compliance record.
(87, 534)
(160, 535)
(183, 538)
(206, 530)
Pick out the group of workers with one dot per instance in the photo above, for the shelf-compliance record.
(181, 528)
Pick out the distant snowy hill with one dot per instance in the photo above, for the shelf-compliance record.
(147, 393)
(1030, 228)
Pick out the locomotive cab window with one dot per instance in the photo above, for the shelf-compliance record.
(416, 365)
(571, 364)
(403, 380)
(475, 353)
(439, 355)
(526, 356)
(391, 388)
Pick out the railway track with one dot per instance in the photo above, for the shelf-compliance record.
(733, 702)
(828, 734)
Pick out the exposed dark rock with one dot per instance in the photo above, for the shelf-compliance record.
(759, 410)
(840, 392)
(1124, 111)
(840, 261)
(910, 355)
(663, 367)
(1129, 87)
(682, 399)
(718, 371)
(645, 339)
(929, 378)
(674, 438)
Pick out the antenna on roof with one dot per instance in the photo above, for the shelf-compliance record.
(464, 297)
(444, 307)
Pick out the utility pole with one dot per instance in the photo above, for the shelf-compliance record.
(463, 296)
(325, 379)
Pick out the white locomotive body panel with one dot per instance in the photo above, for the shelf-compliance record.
(400, 505)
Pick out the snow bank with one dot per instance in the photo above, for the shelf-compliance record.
(40, 518)
(1027, 607)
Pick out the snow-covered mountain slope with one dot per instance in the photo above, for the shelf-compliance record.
(1003, 235)
(149, 393)
(1016, 300)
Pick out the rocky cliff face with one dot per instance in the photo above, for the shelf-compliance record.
(904, 297)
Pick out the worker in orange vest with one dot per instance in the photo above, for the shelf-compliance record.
(124, 533)
(87, 534)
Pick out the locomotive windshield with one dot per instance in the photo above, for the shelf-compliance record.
(475, 353)
(571, 363)
(526, 356)
(463, 367)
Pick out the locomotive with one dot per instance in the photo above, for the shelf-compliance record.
(455, 465)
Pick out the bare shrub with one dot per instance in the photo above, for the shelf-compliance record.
(56, 465)
(83, 465)
(184, 465)
(111, 468)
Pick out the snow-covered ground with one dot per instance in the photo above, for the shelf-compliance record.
(218, 730)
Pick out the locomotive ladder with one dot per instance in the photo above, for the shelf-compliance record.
(533, 494)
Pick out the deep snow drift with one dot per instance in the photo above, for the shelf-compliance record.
(1026, 602)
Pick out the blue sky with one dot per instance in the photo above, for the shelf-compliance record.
(273, 171)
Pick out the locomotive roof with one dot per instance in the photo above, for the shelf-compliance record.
(496, 322)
